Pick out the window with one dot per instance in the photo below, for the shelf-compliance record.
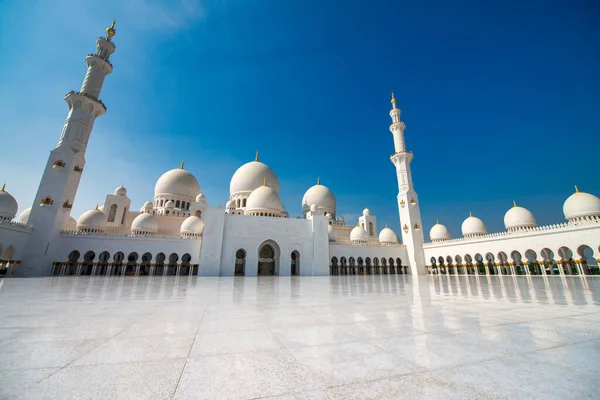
(112, 213)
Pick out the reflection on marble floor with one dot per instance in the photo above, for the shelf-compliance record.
(340, 337)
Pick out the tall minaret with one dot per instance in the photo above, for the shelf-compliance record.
(56, 193)
(408, 201)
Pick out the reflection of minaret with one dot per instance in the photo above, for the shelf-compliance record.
(408, 202)
(58, 187)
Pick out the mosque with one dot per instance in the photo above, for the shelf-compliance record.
(179, 233)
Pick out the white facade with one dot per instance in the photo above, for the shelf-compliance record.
(178, 232)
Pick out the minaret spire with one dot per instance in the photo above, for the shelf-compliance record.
(256, 158)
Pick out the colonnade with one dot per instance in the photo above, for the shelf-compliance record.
(108, 269)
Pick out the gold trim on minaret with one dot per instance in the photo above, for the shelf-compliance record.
(111, 31)
(576, 189)
(265, 181)
(514, 203)
(393, 101)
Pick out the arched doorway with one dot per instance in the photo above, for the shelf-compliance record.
(295, 263)
(266, 260)
(240, 263)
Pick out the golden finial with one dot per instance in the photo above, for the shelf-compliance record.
(393, 101)
(111, 31)
(3, 188)
(97, 206)
(256, 158)
(514, 203)
(386, 225)
(470, 214)
(437, 221)
(318, 180)
(265, 181)
(182, 164)
(576, 189)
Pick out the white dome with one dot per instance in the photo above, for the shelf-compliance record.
(321, 196)
(8, 205)
(387, 236)
(92, 219)
(178, 182)
(331, 233)
(329, 216)
(148, 204)
(341, 219)
(581, 204)
(120, 191)
(192, 225)
(519, 217)
(439, 232)
(473, 226)
(264, 198)
(366, 212)
(358, 234)
(71, 223)
(230, 204)
(24, 216)
(200, 198)
(250, 176)
(314, 208)
(170, 204)
(145, 223)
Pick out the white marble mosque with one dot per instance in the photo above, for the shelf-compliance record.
(180, 233)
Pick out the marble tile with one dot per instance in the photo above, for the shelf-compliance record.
(28, 355)
(243, 376)
(340, 364)
(571, 357)
(307, 395)
(209, 343)
(14, 382)
(150, 380)
(138, 349)
(312, 335)
(232, 325)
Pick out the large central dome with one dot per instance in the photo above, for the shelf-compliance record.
(178, 182)
(251, 176)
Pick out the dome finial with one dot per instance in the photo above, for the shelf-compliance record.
(470, 214)
(97, 206)
(318, 180)
(3, 188)
(576, 189)
(386, 225)
(265, 181)
(393, 101)
(437, 221)
(256, 158)
(182, 164)
(514, 203)
(111, 31)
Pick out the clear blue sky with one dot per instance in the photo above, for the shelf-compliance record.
(500, 99)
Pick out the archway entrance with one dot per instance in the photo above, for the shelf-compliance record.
(240, 263)
(295, 263)
(266, 260)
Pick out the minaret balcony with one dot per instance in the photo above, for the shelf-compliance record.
(102, 62)
(69, 97)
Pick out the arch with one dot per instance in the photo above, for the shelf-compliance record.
(244, 202)
(177, 204)
(145, 264)
(185, 265)
(352, 261)
(268, 258)
(566, 257)
(131, 265)
(103, 262)
(118, 263)
(124, 215)
(371, 229)
(383, 262)
(375, 262)
(295, 262)
(368, 261)
(88, 263)
(334, 261)
(360, 261)
(240, 263)
(238, 202)
(391, 262)
(160, 263)
(112, 213)
(72, 263)
(343, 262)
(398, 262)
(588, 263)
(172, 266)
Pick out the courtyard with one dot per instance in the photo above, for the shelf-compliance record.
(338, 337)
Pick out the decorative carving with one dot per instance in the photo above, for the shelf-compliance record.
(58, 164)
(77, 168)
(405, 228)
(402, 203)
(417, 227)
(47, 200)
(413, 202)
(66, 204)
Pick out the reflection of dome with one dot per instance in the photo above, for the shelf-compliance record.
(366, 212)
(92, 219)
(200, 198)
(192, 226)
(8, 205)
(144, 223)
(518, 217)
(473, 226)
(331, 233)
(358, 234)
(264, 198)
(120, 191)
(24, 216)
(250, 176)
(581, 204)
(387, 236)
(178, 182)
(439, 232)
(321, 196)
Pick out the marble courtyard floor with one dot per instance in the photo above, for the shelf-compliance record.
(339, 337)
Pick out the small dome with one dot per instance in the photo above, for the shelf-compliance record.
(314, 208)
(8, 205)
(24, 216)
(473, 226)
(147, 207)
(341, 219)
(331, 233)
(192, 226)
(366, 212)
(358, 234)
(178, 182)
(264, 198)
(250, 176)
(329, 216)
(92, 219)
(387, 236)
(148, 204)
(439, 232)
(200, 198)
(170, 204)
(519, 217)
(71, 223)
(321, 196)
(120, 191)
(581, 204)
(230, 204)
(144, 223)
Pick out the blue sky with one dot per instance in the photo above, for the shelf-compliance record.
(500, 99)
